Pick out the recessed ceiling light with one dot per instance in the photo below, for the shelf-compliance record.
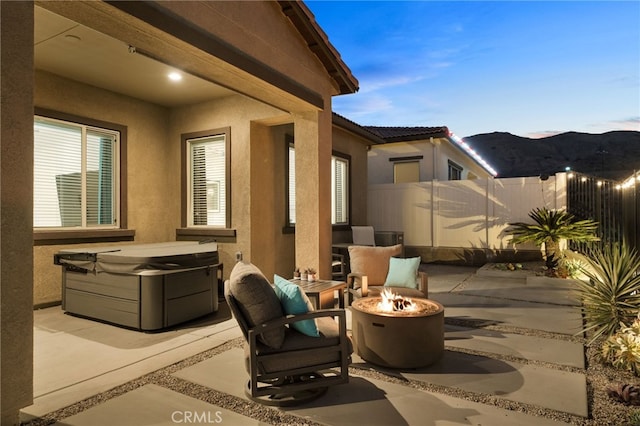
(174, 76)
(72, 37)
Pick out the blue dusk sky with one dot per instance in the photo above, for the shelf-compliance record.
(531, 68)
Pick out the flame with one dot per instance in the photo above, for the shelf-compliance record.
(392, 302)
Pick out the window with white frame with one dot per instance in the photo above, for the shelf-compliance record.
(207, 180)
(76, 175)
(339, 188)
(291, 186)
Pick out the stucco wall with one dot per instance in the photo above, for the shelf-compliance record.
(260, 29)
(381, 169)
(347, 143)
(16, 205)
(471, 169)
(238, 113)
(151, 166)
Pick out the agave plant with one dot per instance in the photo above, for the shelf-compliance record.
(611, 296)
(549, 228)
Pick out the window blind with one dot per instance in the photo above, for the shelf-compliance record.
(75, 179)
(207, 189)
(292, 185)
(339, 169)
(339, 189)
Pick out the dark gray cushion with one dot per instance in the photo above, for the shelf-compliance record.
(288, 359)
(257, 300)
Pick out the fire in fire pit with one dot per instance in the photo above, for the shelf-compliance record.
(392, 302)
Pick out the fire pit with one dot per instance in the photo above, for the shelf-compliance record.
(397, 332)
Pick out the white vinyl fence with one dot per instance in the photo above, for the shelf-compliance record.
(467, 213)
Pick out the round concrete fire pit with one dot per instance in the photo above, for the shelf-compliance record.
(398, 339)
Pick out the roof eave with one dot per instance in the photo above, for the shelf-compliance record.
(418, 137)
(486, 167)
(318, 42)
(356, 129)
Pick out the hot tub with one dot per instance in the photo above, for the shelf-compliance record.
(142, 286)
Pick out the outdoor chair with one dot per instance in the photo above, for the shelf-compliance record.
(374, 269)
(286, 366)
(338, 267)
(363, 236)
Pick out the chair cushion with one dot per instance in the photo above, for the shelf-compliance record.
(257, 301)
(289, 359)
(373, 261)
(294, 301)
(403, 272)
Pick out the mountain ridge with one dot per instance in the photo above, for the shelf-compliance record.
(611, 155)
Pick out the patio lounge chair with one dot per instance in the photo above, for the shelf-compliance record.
(285, 366)
(369, 275)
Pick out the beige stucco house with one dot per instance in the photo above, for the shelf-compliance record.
(257, 78)
(420, 154)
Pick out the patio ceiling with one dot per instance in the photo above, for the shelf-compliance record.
(67, 48)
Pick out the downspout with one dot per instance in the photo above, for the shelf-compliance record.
(434, 178)
(489, 191)
(434, 160)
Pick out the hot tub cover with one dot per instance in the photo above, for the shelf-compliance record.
(138, 258)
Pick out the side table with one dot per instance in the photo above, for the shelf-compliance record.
(321, 292)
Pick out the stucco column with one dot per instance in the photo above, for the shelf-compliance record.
(312, 134)
(262, 201)
(16, 208)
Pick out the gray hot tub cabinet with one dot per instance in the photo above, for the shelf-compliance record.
(142, 286)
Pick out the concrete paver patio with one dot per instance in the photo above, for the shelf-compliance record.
(504, 340)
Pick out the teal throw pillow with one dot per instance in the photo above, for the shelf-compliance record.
(402, 272)
(294, 302)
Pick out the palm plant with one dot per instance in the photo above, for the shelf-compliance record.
(611, 296)
(549, 228)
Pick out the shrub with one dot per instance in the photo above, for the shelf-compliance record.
(549, 227)
(611, 295)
